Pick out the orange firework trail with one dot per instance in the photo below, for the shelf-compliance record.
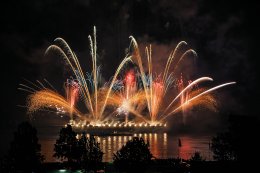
(95, 101)
(91, 101)
(155, 90)
(72, 92)
(129, 98)
(46, 98)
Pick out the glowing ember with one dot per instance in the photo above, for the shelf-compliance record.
(121, 97)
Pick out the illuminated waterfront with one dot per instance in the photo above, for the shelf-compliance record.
(162, 145)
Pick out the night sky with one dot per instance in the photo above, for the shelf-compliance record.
(223, 33)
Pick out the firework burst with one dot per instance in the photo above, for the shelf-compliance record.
(138, 91)
(156, 87)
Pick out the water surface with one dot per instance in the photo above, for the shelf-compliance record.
(162, 145)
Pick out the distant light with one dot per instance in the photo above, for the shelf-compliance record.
(62, 170)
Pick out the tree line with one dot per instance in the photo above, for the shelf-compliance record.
(236, 144)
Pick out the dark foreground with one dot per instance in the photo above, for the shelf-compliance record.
(161, 166)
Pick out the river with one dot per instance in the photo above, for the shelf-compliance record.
(162, 145)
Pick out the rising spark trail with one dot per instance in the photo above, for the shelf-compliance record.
(140, 94)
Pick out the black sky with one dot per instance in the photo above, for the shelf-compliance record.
(223, 33)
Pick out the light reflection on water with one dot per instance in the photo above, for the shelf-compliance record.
(162, 145)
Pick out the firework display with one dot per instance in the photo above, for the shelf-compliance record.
(133, 97)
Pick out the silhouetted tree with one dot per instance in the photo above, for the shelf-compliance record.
(238, 142)
(91, 153)
(84, 152)
(24, 154)
(196, 157)
(135, 155)
(66, 146)
(222, 147)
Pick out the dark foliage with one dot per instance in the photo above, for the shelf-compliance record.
(91, 158)
(135, 155)
(24, 154)
(239, 142)
(222, 147)
(196, 157)
(79, 152)
(66, 145)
